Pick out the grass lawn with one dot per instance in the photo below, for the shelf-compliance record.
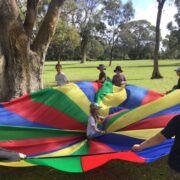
(137, 73)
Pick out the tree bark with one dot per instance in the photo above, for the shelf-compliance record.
(21, 65)
(112, 48)
(84, 50)
(111, 55)
(156, 73)
(30, 16)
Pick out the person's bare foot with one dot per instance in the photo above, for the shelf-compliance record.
(22, 156)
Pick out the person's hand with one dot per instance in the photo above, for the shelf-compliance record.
(99, 121)
(103, 132)
(137, 147)
(123, 82)
(22, 156)
(167, 92)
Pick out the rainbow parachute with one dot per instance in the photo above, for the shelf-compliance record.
(50, 125)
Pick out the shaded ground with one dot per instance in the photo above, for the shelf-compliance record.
(137, 73)
(114, 170)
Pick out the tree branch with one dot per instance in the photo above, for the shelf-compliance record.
(47, 28)
(30, 16)
(12, 26)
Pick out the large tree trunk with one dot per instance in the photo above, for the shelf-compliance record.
(21, 65)
(2, 80)
(111, 55)
(84, 50)
(112, 48)
(156, 73)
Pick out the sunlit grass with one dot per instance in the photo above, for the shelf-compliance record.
(137, 72)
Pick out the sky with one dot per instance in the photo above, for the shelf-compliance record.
(147, 9)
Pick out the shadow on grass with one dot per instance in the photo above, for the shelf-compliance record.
(79, 66)
(113, 170)
(139, 79)
(72, 67)
(147, 66)
(63, 63)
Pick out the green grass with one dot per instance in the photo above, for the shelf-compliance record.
(138, 73)
(113, 170)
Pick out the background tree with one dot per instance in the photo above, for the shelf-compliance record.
(21, 56)
(156, 74)
(171, 45)
(137, 39)
(64, 42)
(86, 17)
(172, 41)
(115, 14)
(96, 49)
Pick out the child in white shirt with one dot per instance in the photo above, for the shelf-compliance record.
(60, 77)
(92, 129)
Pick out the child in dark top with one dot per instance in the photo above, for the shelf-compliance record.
(178, 74)
(177, 86)
(172, 129)
(119, 79)
(102, 74)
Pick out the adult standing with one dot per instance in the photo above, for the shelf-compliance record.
(172, 129)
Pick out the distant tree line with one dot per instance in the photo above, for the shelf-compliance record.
(104, 30)
(85, 30)
(171, 43)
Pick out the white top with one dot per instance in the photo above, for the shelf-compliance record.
(91, 123)
(61, 79)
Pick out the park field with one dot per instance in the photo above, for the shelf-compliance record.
(137, 73)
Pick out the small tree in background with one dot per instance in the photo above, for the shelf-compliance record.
(115, 14)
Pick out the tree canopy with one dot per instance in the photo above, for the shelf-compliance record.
(86, 29)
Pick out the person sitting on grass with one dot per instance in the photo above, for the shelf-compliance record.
(93, 130)
(118, 79)
(10, 156)
(177, 86)
(171, 129)
(102, 74)
(60, 77)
